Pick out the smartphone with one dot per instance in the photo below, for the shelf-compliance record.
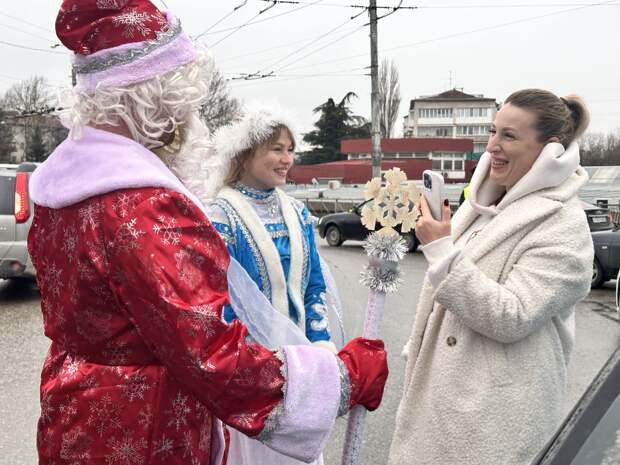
(434, 192)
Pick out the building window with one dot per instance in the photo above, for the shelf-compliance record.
(475, 112)
(480, 130)
(435, 112)
(434, 131)
(448, 161)
(479, 148)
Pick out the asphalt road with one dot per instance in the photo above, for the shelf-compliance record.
(23, 346)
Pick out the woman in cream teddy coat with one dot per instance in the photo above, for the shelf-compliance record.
(494, 326)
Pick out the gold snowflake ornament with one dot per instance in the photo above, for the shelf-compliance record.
(392, 204)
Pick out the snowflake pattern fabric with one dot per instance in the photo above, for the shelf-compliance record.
(88, 26)
(132, 289)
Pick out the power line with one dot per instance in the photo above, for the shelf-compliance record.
(25, 32)
(10, 44)
(322, 48)
(459, 34)
(340, 5)
(252, 76)
(26, 22)
(309, 76)
(223, 18)
(244, 24)
(264, 50)
(261, 51)
(267, 19)
(312, 42)
(524, 5)
(497, 26)
(490, 5)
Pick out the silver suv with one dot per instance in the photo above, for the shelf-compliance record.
(16, 212)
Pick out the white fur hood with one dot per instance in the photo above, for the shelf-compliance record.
(556, 172)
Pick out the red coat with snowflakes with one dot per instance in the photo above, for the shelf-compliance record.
(132, 286)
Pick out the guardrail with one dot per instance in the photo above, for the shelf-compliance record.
(322, 206)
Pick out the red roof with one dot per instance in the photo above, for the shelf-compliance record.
(409, 145)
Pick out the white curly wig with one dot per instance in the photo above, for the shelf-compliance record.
(150, 109)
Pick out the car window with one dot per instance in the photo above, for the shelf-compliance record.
(603, 445)
(7, 195)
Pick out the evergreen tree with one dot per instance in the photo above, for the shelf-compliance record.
(336, 122)
(7, 141)
(35, 149)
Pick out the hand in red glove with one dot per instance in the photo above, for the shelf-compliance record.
(366, 361)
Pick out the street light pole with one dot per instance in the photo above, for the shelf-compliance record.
(375, 131)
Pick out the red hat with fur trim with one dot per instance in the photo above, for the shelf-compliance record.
(121, 42)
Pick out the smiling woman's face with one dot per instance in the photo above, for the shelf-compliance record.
(269, 165)
(513, 145)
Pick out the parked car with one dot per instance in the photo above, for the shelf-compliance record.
(16, 211)
(599, 218)
(606, 256)
(339, 227)
(590, 435)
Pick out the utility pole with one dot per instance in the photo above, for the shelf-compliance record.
(375, 131)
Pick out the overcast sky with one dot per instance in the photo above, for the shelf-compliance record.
(482, 46)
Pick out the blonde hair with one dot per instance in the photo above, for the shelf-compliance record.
(238, 162)
(150, 109)
(566, 118)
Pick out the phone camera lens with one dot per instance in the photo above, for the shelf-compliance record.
(427, 181)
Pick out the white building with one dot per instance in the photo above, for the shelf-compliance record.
(452, 114)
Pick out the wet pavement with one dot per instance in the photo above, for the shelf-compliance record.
(24, 345)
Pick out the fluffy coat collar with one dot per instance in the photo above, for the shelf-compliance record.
(97, 163)
(553, 166)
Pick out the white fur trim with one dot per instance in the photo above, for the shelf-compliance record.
(279, 298)
(295, 274)
(329, 345)
(279, 285)
(252, 129)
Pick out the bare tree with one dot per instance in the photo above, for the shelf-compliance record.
(389, 97)
(28, 96)
(7, 141)
(599, 149)
(221, 107)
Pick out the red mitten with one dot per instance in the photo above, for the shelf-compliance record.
(366, 361)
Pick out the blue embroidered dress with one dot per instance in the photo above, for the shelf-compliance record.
(231, 218)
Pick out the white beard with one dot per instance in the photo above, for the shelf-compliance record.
(196, 163)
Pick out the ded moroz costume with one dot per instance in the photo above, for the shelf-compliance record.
(134, 277)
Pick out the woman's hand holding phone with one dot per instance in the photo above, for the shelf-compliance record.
(427, 228)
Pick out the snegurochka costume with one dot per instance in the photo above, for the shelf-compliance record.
(272, 234)
(133, 280)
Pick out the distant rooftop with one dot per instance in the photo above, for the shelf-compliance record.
(603, 174)
(452, 95)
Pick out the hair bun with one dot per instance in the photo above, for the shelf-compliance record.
(579, 113)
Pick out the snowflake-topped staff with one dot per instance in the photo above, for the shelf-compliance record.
(391, 206)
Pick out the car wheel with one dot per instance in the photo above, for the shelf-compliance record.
(333, 236)
(598, 275)
(411, 243)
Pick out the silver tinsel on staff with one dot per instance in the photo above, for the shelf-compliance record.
(381, 276)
